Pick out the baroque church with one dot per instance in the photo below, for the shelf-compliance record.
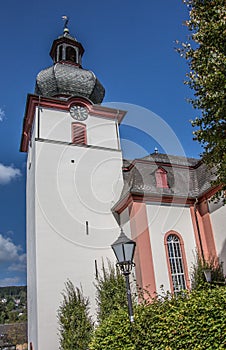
(76, 170)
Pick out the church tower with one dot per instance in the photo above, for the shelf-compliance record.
(74, 178)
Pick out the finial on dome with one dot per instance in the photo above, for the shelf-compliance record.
(65, 19)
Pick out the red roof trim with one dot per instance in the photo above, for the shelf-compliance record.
(34, 101)
(124, 203)
(209, 193)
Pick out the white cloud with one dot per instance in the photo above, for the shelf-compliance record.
(10, 254)
(8, 250)
(8, 173)
(2, 114)
(20, 265)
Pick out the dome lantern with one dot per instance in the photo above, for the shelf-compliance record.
(66, 48)
(66, 77)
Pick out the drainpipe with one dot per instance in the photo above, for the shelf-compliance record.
(198, 229)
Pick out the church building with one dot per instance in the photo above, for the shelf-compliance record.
(80, 191)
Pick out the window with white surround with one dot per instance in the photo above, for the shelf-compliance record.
(176, 263)
(79, 133)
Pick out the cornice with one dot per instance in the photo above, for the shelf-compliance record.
(209, 193)
(123, 203)
(34, 101)
(130, 197)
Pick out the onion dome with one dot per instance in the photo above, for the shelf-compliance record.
(66, 77)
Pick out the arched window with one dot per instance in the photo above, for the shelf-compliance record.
(176, 262)
(161, 178)
(79, 133)
(71, 54)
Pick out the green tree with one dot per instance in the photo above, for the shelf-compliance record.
(191, 321)
(111, 291)
(114, 333)
(75, 323)
(205, 54)
(3, 312)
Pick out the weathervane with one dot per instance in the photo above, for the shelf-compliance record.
(65, 19)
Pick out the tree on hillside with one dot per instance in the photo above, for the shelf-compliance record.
(206, 56)
(3, 312)
(75, 323)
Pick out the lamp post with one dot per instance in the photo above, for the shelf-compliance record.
(124, 249)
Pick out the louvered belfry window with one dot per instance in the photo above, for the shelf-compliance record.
(79, 133)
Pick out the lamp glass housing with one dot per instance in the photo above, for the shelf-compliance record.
(124, 249)
(124, 252)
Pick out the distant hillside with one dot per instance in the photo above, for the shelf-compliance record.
(12, 291)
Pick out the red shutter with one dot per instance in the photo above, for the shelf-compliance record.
(161, 178)
(78, 133)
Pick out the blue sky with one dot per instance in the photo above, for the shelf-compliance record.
(130, 47)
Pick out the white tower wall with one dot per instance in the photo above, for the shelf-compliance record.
(70, 191)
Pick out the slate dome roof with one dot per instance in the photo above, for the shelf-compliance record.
(66, 77)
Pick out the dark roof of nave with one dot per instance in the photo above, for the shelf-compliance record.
(186, 177)
(166, 158)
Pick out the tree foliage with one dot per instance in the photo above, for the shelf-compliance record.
(13, 304)
(75, 323)
(113, 333)
(206, 56)
(195, 320)
(111, 292)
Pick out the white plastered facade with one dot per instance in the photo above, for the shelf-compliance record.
(162, 219)
(70, 226)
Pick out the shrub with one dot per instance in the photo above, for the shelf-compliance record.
(111, 292)
(75, 323)
(114, 333)
(195, 321)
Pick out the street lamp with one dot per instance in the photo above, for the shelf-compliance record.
(124, 249)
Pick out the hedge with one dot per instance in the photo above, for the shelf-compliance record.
(195, 320)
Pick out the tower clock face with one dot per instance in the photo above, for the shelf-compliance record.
(79, 113)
